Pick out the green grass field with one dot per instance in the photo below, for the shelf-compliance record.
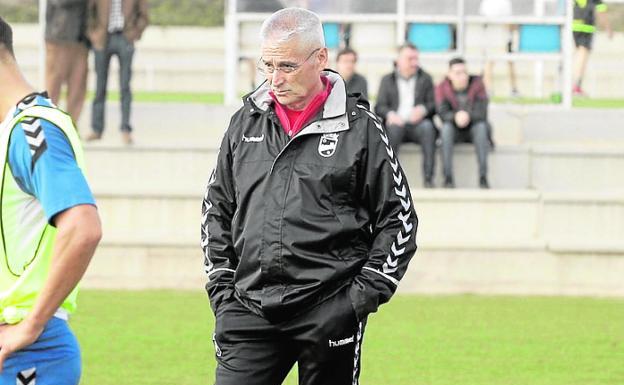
(577, 102)
(164, 338)
(166, 97)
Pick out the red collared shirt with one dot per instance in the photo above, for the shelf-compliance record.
(293, 121)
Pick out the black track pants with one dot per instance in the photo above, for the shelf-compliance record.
(325, 341)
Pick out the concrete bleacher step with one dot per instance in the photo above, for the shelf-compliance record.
(513, 271)
(509, 166)
(163, 125)
(516, 270)
(550, 124)
(184, 169)
(577, 168)
(580, 219)
(460, 217)
(513, 242)
(145, 266)
(199, 125)
(149, 171)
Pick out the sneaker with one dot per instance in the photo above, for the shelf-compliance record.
(126, 138)
(578, 91)
(449, 183)
(483, 183)
(93, 136)
(429, 183)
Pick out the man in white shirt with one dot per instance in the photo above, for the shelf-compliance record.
(406, 103)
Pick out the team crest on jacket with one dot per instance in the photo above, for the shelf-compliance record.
(327, 145)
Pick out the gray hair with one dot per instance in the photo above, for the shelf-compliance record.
(289, 23)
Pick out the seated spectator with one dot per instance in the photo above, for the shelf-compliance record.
(406, 103)
(345, 64)
(462, 104)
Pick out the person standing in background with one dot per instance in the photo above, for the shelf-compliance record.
(67, 52)
(113, 28)
(583, 28)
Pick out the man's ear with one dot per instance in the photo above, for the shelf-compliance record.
(323, 57)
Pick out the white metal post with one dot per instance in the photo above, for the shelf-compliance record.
(401, 27)
(538, 10)
(231, 54)
(42, 51)
(566, 92)
(461, 28)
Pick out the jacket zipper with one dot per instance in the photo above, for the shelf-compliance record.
(286, 146)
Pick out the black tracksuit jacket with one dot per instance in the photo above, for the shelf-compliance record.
(287, 223)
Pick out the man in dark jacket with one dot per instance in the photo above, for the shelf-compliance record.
(67, 52)
(345, 65)
(308, 223)
(462, 105)
(406, 103)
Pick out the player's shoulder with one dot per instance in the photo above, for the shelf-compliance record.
(36, 136)
(38, 131)
(29, 134)
(34, 126)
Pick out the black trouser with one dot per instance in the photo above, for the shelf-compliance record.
(325, 342)
(423, 133)
(476, 133)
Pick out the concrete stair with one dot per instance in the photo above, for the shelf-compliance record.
(553, 223)
(455, 217)
(512, 242)
(200, 126)
(144, 169)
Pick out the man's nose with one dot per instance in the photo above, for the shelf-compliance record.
(278, 77)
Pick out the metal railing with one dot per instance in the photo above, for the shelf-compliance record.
(398, 16)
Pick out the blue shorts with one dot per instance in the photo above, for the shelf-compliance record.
(54, 359)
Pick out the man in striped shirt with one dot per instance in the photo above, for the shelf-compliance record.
(113, 27)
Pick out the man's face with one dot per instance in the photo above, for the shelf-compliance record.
(458, 75)
(296, 70)
(407, 62)
(346, 65)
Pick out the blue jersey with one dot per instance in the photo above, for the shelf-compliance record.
(43, 162)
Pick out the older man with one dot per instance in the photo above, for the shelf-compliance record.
(406, 103)
(49, 231)
(308, 224)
